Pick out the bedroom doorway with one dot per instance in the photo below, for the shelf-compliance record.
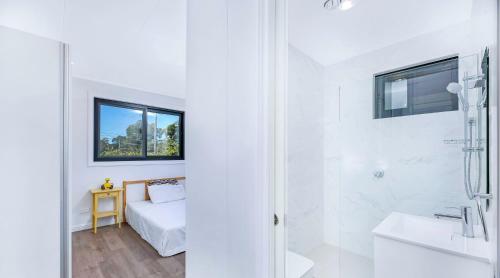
(126, 138)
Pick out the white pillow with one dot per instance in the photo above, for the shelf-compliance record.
(166, 193)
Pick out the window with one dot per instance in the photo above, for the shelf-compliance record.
(128, 132)
(416, 90)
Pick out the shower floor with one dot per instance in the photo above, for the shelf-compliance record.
(333, 262)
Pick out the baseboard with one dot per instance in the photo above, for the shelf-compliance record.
(88, 226)
(81, 227)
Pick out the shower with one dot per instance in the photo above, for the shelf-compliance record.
(473, 96)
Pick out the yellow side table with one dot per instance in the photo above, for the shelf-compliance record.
(97, 194)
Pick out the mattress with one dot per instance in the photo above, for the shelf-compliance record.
(161, 225)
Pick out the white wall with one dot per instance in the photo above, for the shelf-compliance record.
(86, 174)
(226, 188)
(31, 90)
(41, 17)
(305, 152)
(136, 44)
(108, 37)
(422, 174)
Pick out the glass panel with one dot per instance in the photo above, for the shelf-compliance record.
(313, 219)
(163, 134)
(413, 166)
(360, 182)
(120, 132)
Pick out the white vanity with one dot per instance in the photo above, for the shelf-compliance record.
(415, 247)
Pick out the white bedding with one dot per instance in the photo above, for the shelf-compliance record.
(161, 225)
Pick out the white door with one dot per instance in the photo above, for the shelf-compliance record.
(31, 82)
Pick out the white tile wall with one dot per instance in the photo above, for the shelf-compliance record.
(305, 153)
(422, 174)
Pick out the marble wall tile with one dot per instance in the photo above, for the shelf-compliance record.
(335, 145)
(305, 153)
(422, 175)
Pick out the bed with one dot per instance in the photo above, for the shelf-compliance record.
(162, 225)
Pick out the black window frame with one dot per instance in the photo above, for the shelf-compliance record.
(380, 113)
(145, 108)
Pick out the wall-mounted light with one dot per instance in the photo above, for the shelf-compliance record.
(343, 5)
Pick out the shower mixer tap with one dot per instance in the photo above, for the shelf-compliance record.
(465, 217)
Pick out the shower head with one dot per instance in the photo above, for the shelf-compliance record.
(454, 88)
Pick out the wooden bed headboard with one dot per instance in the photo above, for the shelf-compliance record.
(146, 183)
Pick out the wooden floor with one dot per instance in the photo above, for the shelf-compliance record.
(121, 253)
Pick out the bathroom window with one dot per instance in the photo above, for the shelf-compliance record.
(129, 132)
(416, 90)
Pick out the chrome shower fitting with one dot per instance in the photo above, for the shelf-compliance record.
(465, 217)
(473, 147)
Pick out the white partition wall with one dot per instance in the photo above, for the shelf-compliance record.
(31, 76)
(225, 149)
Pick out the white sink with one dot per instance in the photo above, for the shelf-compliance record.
(413, 247)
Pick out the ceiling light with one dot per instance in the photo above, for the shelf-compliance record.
(343, 5)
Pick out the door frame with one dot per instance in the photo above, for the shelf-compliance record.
(274, 27)
(278, 57)
(497, 186)
(65, 181)
(279, 138)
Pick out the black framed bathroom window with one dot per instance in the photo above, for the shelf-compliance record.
(131, 132)
(418, 89)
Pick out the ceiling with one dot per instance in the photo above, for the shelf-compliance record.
(332, 36)
(133, 43)
(142, 43)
